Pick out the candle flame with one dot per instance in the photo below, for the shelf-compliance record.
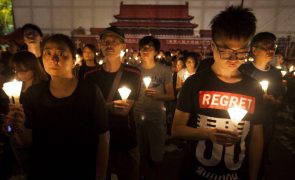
(236, 114)
(124, 92)
(147, 80)
(264, 85)
(284, 73)
(13, 89)
(122, 53)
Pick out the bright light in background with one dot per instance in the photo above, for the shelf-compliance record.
(279, 67)
(100, 62)
(122, 53)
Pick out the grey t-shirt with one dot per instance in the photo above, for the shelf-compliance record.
(160, 75)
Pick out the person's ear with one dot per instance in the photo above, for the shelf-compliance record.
(124, 46)
(212, 45)
(254, 50)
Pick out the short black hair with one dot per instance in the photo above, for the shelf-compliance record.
(91, 47)
(150, 40)
(61, 39)
(31, 26)
(263, 38)
(194, 55)
(235, 22)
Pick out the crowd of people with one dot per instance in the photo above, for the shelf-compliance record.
(73, 123)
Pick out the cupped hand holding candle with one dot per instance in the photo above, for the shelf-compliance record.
(264, 85)
(124, 93)
(147, 80)
(13, 90)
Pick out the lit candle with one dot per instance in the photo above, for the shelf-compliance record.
(284, 73)
(13, 89)
(122, 53)
(78, 59)
(185, 75)
(279, 67)
(147, 80)
(159, 56)
(251, 59)
(291, 68)
(100, 62)
(236, 114)
(264, 85)
(124, 93)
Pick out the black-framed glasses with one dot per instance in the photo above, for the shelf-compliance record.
(230, 54)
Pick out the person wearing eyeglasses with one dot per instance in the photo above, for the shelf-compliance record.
(218, 146)
(263, 48)
(63, 120)
(112, 75)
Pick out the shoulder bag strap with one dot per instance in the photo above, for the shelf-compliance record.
(115, 84)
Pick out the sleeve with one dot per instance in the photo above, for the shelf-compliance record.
(167, 76)
(99, 111)
(184, 101)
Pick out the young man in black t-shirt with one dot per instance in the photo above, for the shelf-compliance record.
(263, 47)
(124, 155)
(218, 147)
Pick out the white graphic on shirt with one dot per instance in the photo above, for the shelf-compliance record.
(217, 151)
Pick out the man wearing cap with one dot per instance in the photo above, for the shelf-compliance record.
(124, 154)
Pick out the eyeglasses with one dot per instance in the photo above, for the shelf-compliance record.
(272, 47)
(230, 54)
(110, 43)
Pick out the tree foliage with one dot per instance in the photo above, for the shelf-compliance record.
(6, 17)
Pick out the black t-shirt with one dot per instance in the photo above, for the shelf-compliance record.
(83, 69)
(65, 131)
(272, 75)
(122, 129)
(207, 99)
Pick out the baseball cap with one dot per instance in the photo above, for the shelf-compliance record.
(113, 31)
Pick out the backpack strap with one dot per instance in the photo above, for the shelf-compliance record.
(115, 84)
